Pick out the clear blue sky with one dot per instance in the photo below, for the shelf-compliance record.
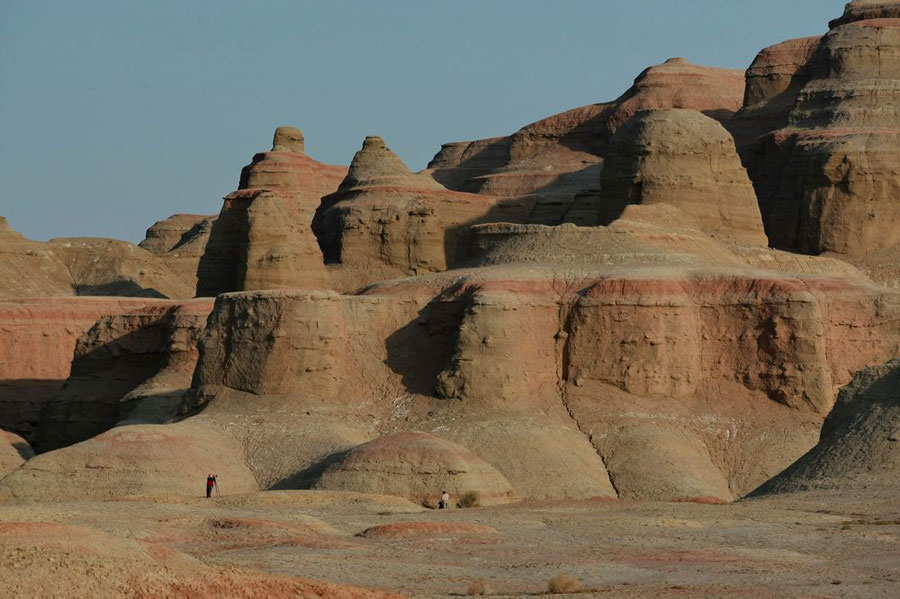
(117, 113)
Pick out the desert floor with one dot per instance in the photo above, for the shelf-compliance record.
(822, 544)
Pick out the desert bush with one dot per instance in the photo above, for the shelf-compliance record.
(477, 587)
(468, 499)
(563, 583)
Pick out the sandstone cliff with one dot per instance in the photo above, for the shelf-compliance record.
(133, 365)
(823, 157)
(600, 370)
(37, 343)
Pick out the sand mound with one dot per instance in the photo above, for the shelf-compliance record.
(417, 466)
(860, 442)
(142, 460)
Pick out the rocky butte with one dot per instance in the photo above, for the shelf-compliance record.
(689, 295)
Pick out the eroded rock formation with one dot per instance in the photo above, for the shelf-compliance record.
(37, 343)
(453, 341)
(146, 459)
(685, 159)
(827, 173)
(417, 466)
(262, 238)
(84, 266)
(385, 221)
(560, 157)
(554, 367)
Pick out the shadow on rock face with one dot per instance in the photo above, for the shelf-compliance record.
(422, 348)
(121, 287)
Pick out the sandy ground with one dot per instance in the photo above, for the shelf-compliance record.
(823, 544)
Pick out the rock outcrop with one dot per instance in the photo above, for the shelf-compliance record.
(30, 268)
(37, 344)
(862, 10)
(859, 443)
(262, 238)
(112, 267)
(595, 371)
(134, 365)
(379, 330)
(560, 157)
(180, 241)
(685, 159)
(828, 175)
(385, 221)
(774, 80)
(84, 266)
(175, 232)
(417, 466)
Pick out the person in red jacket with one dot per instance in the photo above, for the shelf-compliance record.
(210, 483)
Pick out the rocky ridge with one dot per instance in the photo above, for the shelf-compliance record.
(378, 330)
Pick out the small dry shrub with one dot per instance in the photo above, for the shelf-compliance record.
(477, 587)
(468, 499)
(563, 583)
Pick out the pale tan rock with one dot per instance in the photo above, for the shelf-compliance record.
(512, 361)
(85, 266)
(774, 80)
(685, 159)
(556, 159)
(385, 221)
(30, 268)
(176, 231)
(288, 139)
(827, 179)
(112, 267)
